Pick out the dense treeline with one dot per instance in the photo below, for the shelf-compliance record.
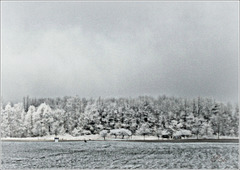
(143, 115)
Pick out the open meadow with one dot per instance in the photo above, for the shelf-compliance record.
(119, 155)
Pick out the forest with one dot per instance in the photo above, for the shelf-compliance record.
(144, 115)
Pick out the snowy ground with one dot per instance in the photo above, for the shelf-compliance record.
(119, 155)
(97, 137)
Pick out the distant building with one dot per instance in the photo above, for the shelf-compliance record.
(56, 139)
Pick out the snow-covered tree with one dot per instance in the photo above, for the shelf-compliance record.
(158, 132)
(114, 132)
(17, 125)
(143, 115)
(120, 132)
(186, 133)
(206, 129)
(57, 122)
(29, 120)
(103, 134)
(77, 131)
(6, 120)
(177, 134)
(124, 132)
(143, 130)
(41, 120)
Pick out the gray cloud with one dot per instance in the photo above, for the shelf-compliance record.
(92, 49)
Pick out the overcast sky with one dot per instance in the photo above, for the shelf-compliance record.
(113, 49)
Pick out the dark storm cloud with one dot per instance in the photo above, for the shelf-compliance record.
(92, 49)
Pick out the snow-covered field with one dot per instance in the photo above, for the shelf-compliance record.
(118, 155)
